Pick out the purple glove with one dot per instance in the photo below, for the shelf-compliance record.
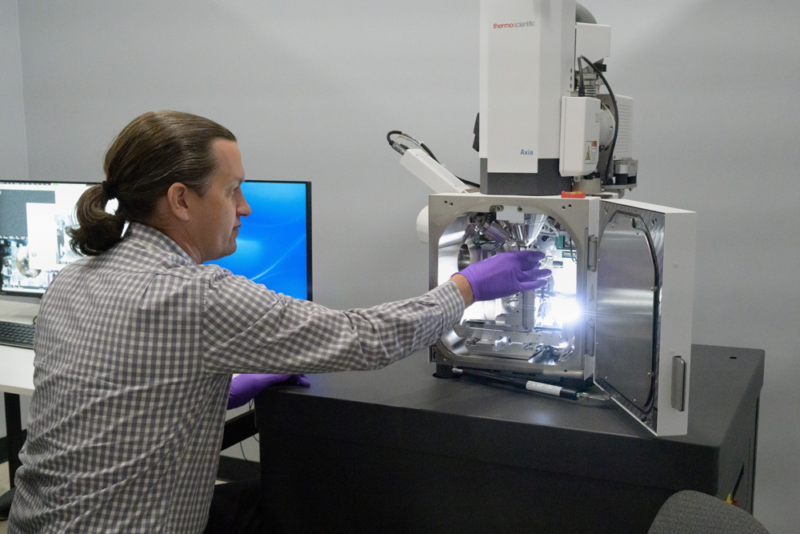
(505, 274)
(245, 387)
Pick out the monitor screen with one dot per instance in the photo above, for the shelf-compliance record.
(34, 245)
(273, 247)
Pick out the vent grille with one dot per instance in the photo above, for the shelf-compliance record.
(623, 148)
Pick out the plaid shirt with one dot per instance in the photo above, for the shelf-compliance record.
(134, 354)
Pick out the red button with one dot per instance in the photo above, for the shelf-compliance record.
(573, 194)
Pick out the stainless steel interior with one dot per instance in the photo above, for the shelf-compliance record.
(538, 332)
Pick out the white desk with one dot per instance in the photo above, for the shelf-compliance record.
(16, 370)
(16, 365)
(16, 378)
(18, 312)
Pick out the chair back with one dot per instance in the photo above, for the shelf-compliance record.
(692, 512)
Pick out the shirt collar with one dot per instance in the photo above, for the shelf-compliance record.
(153, 238)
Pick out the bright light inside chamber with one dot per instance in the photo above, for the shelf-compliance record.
(564, 310)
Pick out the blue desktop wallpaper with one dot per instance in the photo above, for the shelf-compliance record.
(272, 242)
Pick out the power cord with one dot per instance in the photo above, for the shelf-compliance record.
(401, 149)
(610, 162)
(255, 437)
(581, 87)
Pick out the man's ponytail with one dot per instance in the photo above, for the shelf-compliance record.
(98, 230)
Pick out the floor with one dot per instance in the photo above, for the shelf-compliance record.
(4, 487)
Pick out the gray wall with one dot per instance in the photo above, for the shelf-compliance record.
(717, 115)
(13, 149)
(311, 88)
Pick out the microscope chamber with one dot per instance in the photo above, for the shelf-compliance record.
(538, 332)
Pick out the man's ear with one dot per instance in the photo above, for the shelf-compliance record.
(178, 202)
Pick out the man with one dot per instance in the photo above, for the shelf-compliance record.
(135, 345)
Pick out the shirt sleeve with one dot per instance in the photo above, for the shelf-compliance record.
(249, 329)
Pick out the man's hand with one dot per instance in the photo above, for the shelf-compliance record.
(245, 387)
(502, 275)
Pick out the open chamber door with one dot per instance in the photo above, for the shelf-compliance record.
(643, 323)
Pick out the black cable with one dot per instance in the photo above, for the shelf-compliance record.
(426, 149)
(473, 184)
(393, 144)
(250, 407)
(581, 87)
(389, 137)
(610, 162)
(422, 145)
(518, 383)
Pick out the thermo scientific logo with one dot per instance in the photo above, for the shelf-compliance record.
(514, 25)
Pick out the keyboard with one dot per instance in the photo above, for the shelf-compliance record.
(16, 334)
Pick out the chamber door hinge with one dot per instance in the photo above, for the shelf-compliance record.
(678, 383)
(593, 253)
(590, 337)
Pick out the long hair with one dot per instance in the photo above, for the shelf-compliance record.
(154, 151)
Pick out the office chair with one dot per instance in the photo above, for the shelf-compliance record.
(692, 512)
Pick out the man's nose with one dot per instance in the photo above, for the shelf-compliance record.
(244, 208)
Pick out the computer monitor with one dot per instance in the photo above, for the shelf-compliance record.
(34, 245)
(273, 245)
(274, 241)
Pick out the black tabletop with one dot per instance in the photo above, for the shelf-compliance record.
(404, 405)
